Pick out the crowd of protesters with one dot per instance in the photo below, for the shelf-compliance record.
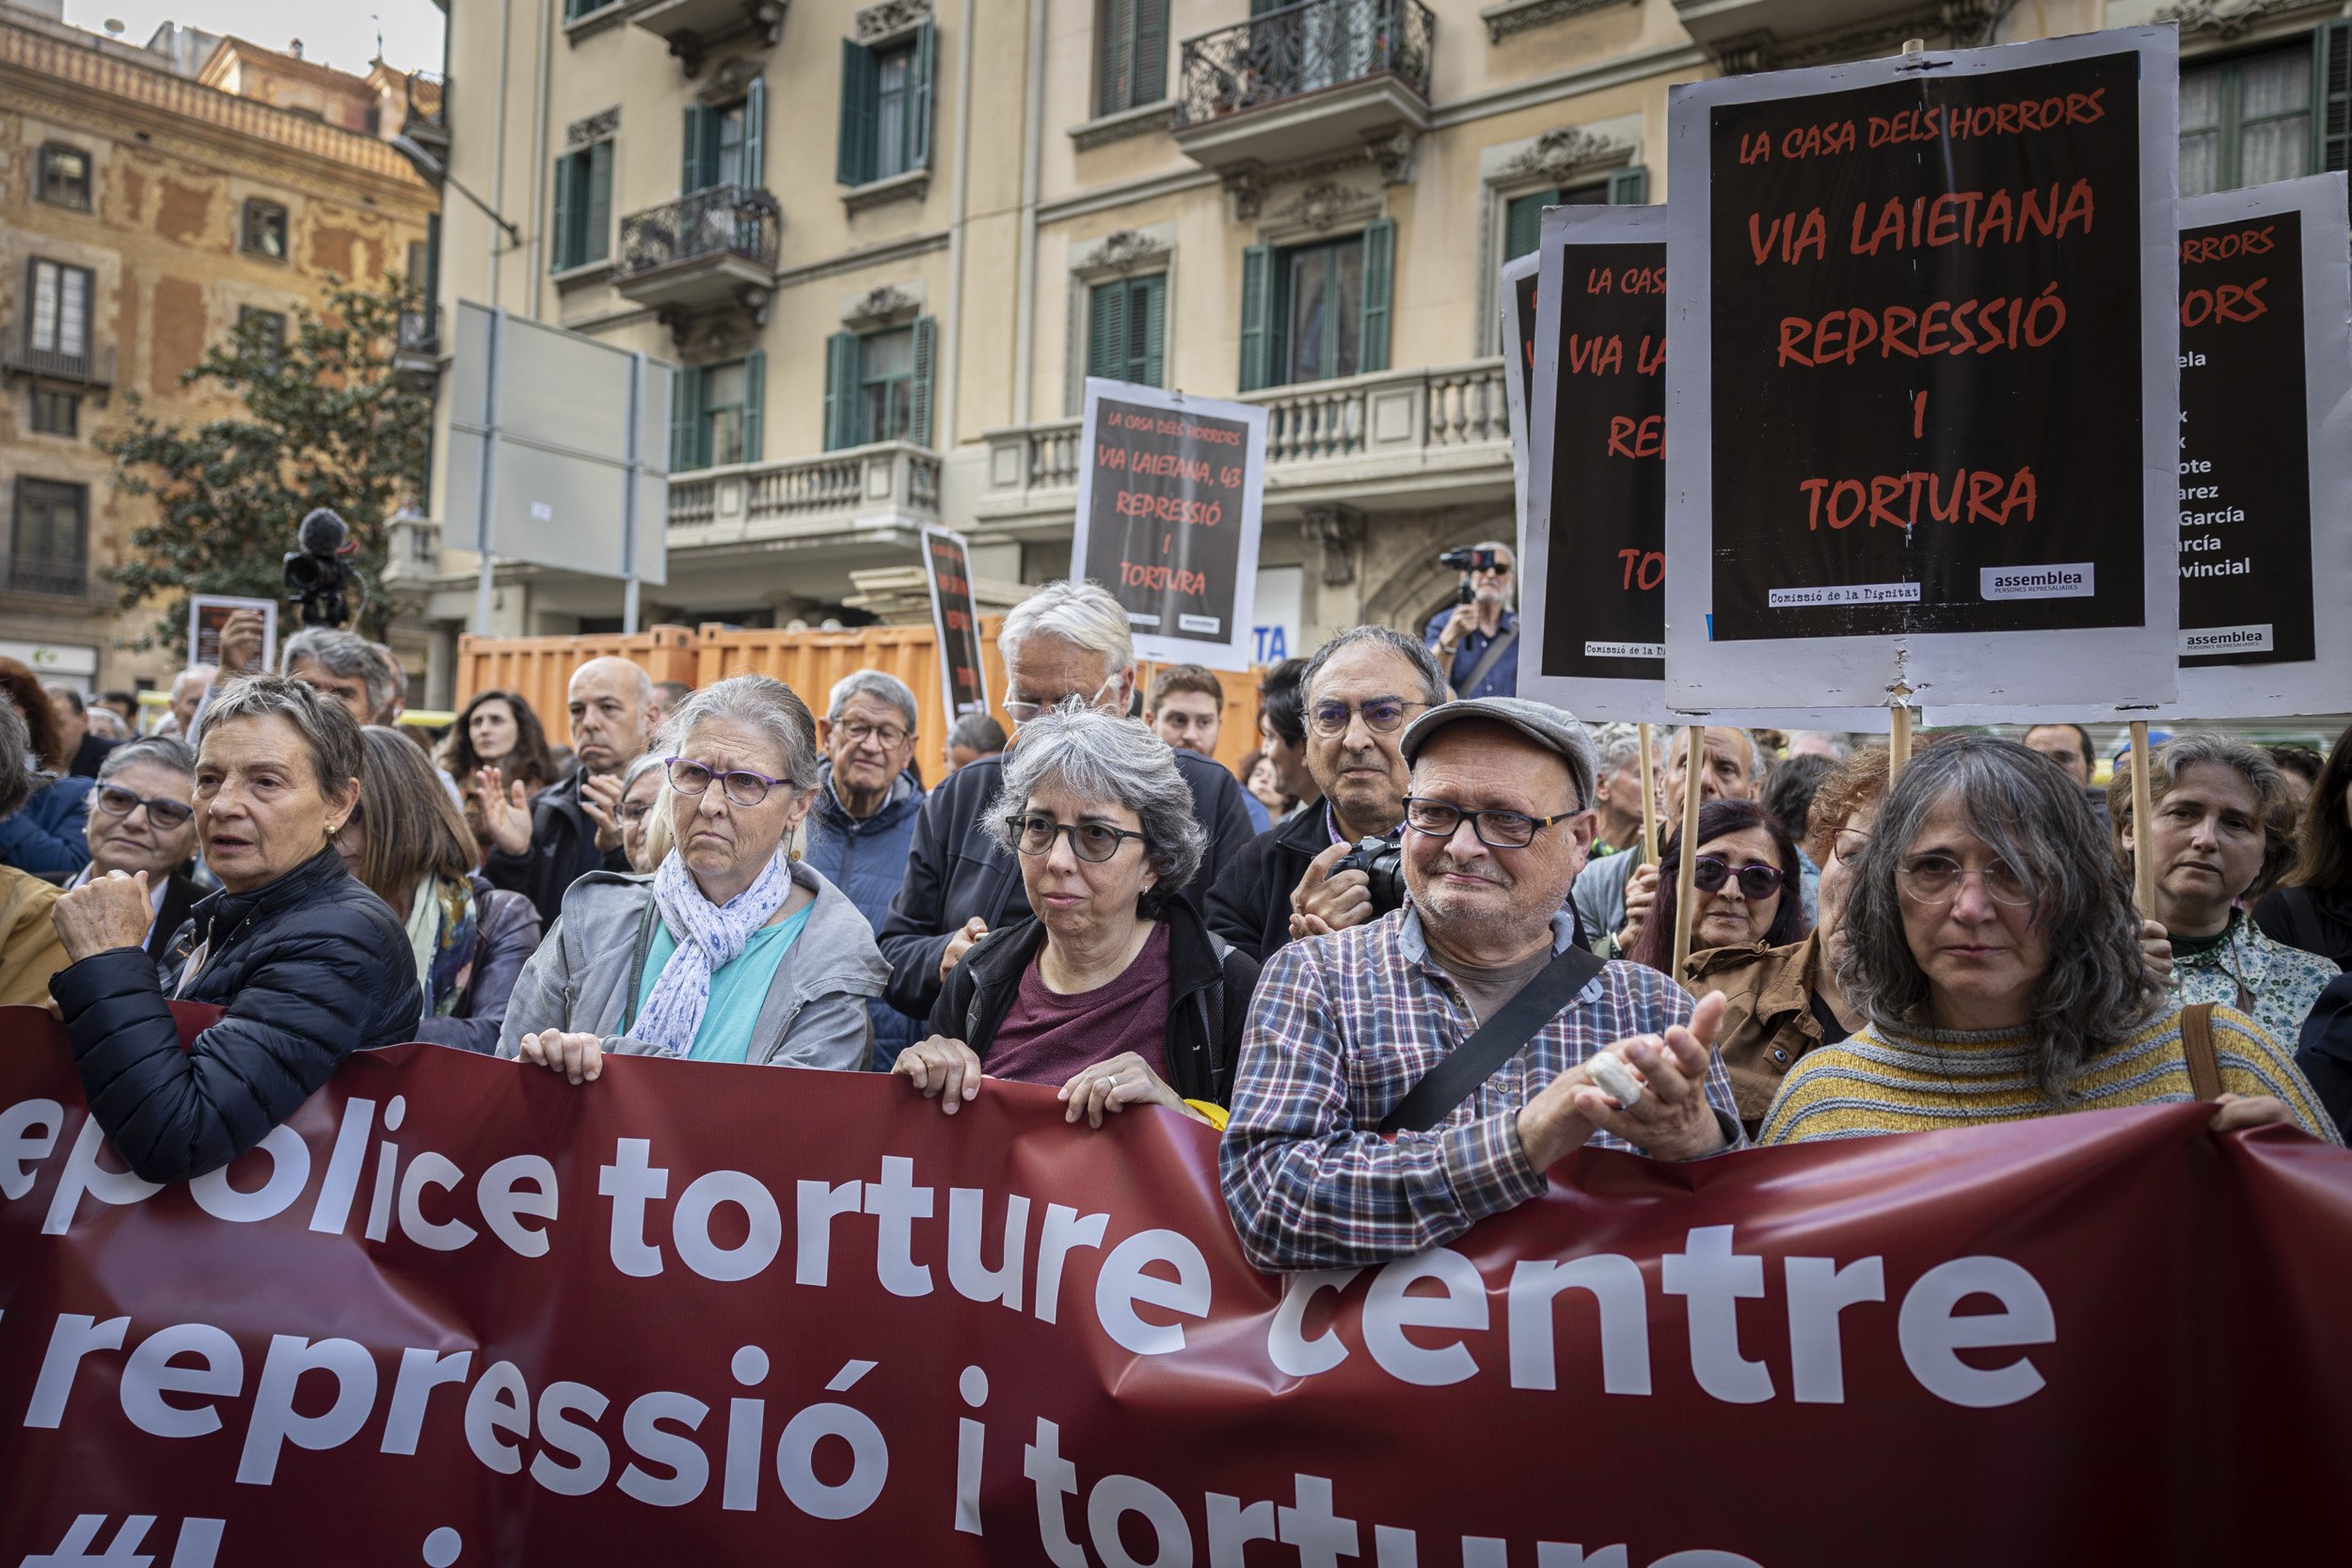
(1407, 954)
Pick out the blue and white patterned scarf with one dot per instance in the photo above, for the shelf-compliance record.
(709, 937)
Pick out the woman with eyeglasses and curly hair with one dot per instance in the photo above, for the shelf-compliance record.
(1992, 946)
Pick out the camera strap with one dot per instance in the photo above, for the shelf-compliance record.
(1496, 1041)
(1487, 660)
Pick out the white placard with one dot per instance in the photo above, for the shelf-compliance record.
(209, 612)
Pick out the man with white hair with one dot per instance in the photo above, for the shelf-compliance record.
(1067, 642)
(188, 690)
(542, 845)
(860, 829)
(1478, 641)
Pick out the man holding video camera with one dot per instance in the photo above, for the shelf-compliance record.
(1477, 640)
(1313, 874)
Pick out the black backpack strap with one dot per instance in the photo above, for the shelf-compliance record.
(1471, 1063)
(1493, 656)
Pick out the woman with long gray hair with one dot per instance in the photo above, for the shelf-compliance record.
(1992, 945)
(730, 951)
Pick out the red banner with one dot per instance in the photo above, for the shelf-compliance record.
(459, 1311)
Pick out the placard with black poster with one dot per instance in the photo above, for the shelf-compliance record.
(956, 623)
(1518, 381)
(1169, 494)
(1922, 341)
(2266, 457)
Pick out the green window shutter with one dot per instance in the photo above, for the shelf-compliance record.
(1149, 83)
(1629, 186)
(1114, 87)
(754, 401)
(690, 178)
(1146, 330)
(755, 135)
(560, 249)
(2335, 96)
(919, 98)
(1372, 342)
(840, 391)
(1107, 331)
(919, 395)
(597, 242)
(1257, 312)
(853, 163)
(686, 421)
(1523, 224)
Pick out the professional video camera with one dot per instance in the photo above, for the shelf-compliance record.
(1382, 862)
(1469, 563)
(317, 572)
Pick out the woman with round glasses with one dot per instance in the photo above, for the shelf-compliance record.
(142, 818)
(730, 951)
(1743, 886)
(644, 827)
(1992, 945)
(1116, 994)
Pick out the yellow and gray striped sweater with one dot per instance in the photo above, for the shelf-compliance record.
(1905, 1079)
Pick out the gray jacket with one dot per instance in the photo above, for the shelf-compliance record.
(1600, 893)
(814, 1015)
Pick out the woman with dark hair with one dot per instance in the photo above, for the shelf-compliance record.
(2312, 911)
(1259, 776)
(44, 836)
(1744, 887)
(498, 729)
(408, 846)
(1992, 945)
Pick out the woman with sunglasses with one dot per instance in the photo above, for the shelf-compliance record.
(1744, 886)
(142, 818)
(1116, 994)
(730, 951)
(1993, 951)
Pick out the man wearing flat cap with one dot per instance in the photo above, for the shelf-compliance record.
(1333, 1157)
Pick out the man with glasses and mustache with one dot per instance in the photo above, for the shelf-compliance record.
(1361, 690)
(1478, 642)
(1066, 642)
(1331, 1159)
(861, 828)
(141, 819)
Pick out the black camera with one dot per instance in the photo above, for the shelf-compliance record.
(1382, 862)
(1469, 561)
(316, 571)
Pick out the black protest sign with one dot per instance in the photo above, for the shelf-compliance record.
(1168, 519)
(956, 621)
(1605, 566)
(1523, 306)
(2246, 513)
(1926, 334)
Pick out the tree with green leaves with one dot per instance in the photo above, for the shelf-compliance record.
(327, 420)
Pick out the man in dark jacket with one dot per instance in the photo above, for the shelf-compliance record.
(84, 749)
(570, 829)
(1361, 690)
(861, 826)
(1067, 642)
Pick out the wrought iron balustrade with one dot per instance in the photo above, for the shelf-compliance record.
(420, 330)
(93, 367)
(1303, 48)
(67, 576)
(725, 220)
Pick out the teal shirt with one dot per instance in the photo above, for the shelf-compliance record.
(738, 992)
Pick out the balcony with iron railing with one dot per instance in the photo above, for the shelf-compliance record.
(803, 496)
(1304, 82)
(57, 577)
(1436, 436)
(700, 250)
(93, 368)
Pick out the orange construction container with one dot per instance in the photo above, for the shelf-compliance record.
(538, 667)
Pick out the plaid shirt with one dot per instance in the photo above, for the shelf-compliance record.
(1341, 1028)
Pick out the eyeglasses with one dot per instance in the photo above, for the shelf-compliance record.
(115, 801)
(1847, 844)
(1708, 873)
(1496, 830)
(1033, 833)
(1381, 715)
(742, 787)
(637, 811)
(1938, 879)
(888, 736)
(1021, 713)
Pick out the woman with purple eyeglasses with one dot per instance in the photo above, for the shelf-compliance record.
(730, 950)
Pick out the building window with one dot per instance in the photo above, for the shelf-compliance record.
(885, 108)
(56, 413)
(262, 229)
(583, 208)
(878, 385)
(715, 414)
(63, 179)
(1133, 69)
(60, 324)
(721, 144)
(1315, 311)
(575, 10)
(1125, 324)
(266, 326)
(46, 547)
(2246, 121)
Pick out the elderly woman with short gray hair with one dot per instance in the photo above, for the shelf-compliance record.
(1992, 946)
(730, 951)
(1116, 994)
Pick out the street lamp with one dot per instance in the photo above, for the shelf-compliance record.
(434, 172)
